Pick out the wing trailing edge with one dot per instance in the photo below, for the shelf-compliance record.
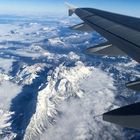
(105, 49)
(135, 85)
(128, 116)
(82, 27)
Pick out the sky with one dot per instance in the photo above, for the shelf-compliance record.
(127, 7)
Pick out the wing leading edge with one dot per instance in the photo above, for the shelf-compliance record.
(123, 35)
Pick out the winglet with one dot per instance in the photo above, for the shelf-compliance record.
(71, 8)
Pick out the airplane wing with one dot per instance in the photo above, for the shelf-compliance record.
(121, 31)
(123, 35)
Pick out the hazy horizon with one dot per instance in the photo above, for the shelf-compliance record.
(42, 7)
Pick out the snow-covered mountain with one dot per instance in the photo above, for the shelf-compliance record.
(51, 90)
(68, 105)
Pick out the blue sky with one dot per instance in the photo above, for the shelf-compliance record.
(129, 7)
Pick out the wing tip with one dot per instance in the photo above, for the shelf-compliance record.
(71, 8)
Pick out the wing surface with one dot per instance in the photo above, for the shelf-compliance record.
(121, 31)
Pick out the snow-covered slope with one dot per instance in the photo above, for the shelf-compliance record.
(51, 90)
(67, 106)
(27, 74)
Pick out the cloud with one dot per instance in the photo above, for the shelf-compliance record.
(6, 64)
(8, 91)
(75, 120)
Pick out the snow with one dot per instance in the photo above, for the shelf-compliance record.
(78, 38)
(24, 31)
(29, 73)
(76, 89)
(73, 56)
(77, 118)
(4, 116)
(95, 94)
(8, 92)
(5, 64)
(4, 77)
(56, 42)
(60, 86)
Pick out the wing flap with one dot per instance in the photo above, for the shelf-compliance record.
(105, 49)
(128, 116)
(135, 85)
(82, 27)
